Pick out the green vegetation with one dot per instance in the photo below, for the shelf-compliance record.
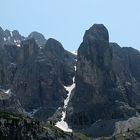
(7, 115)
(81, 136)
(23, 128)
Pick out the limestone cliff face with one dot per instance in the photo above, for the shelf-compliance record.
(40, 76)
(39, 38)
(10, 37)
(36, 75)
(36, 70)
(107, 80)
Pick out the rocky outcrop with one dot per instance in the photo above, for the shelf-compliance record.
(14, 38)
(39, 38)
(9, 103)
(10, 37)
(107, 81)
(22, 128)
(128, 135)
(1, 37)
(36, 76)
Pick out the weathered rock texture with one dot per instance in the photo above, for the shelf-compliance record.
(36, 75)
(107, 81)
(10, 37)
(36, 70)
(39, 38)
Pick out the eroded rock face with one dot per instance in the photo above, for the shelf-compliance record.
(42, 79)
(39, 38)
(12, 37)
(107, 81)
(9, 103)
(35, 75)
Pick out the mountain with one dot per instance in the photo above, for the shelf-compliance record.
(15, 38)
(39, 38)
(36, 76)
(94, 90)
(9, 103)
(10, 37)
(107, 84)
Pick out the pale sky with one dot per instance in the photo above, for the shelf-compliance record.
(67, 20)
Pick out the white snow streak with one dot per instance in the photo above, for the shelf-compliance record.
(11, 34)
(5, 39)
(18, 45)
(74, 52)
(17, 42)
(63, 124)
(8, 91)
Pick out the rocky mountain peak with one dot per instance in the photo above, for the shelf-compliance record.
(39, 38)
(104, 88)
(8, 37)
(1, 32)
(55, 47)
(17, 35)
(52, 42)
(7, 33)
(1, 29)
(1, 36)
(95, 46)
(97, 32)
(107, 82)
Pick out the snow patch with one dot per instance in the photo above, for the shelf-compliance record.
(75, 69)
(5, 94)
(5, 39)
(17, 42)
(18, 45)
(8, 91)
(11, 34)
(63, 124)
(74, 52)
(69, 89)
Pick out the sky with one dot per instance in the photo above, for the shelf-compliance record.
(67, 20)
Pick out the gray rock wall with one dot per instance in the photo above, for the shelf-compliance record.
(107, 81)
